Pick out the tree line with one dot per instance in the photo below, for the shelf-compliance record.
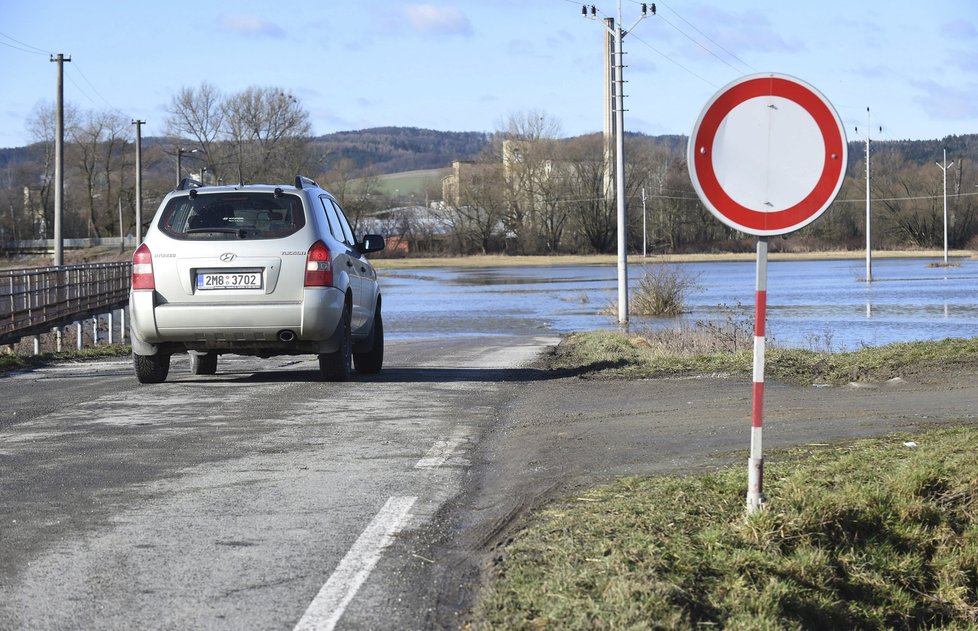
(533, 192)
(521, 189)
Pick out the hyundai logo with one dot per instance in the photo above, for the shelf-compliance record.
(227, 257)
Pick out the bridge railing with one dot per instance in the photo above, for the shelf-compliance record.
(35, 300)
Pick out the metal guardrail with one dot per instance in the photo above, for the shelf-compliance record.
(35, 300)
(47, 245)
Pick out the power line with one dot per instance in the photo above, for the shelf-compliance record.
(900, 199)
(81, 89)
(27, 48)
(690, 38)
(23, 50)
(99, 94)
(710, 39)
(34, 50)
(670, 59)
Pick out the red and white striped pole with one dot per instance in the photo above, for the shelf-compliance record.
(755, 465)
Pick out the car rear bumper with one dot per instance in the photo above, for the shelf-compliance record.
(222, 326)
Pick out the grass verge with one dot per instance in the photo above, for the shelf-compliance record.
(876, 534)
(727, 349)
(870, 535)
(10, 362)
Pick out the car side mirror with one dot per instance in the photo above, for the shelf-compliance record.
(372, 243)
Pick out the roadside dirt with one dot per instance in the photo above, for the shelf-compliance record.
(560, 435)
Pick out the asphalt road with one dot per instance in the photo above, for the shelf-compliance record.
(262, 498)
(258, 498)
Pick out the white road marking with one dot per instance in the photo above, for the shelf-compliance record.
(328, 606)
(442, 450)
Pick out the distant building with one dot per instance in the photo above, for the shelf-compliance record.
(450, 184)
(408, 229)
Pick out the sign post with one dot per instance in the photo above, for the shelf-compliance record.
(767, 156)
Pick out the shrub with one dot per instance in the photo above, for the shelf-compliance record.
(662, 290)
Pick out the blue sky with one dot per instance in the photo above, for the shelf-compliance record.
(466, 65)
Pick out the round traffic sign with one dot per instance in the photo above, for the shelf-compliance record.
(767, 154)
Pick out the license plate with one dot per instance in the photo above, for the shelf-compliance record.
(228, 280)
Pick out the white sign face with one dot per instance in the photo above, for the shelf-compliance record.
(767, 155)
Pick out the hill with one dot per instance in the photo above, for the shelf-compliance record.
(390, 150)
(397, 149)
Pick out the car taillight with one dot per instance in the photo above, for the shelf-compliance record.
(142, 269)
(319, 266)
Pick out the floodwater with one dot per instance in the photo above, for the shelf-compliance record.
(823, 305)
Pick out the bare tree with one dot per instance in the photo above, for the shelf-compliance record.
(268, 130)
(477, 212)
(530, 125)
(527, 143)
(198, 114)
(99, 141)
(358, 195)
(593, 216)
(41, 125)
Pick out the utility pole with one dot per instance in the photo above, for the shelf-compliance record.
(619, 33)
(180, 152)
(944, 169)
(609, 110)
(645, 230)
(122, 230)
(139, 180)
(59, 164)
(869, 247)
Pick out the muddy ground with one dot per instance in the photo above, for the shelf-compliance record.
(560, 435)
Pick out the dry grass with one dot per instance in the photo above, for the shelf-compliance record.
(496, 260)
(871, 535)
(726, 347)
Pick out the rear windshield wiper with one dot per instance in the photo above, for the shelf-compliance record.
(238, 231)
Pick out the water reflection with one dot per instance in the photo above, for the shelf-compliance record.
(807, 300)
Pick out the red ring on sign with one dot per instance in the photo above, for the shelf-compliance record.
(805, 210)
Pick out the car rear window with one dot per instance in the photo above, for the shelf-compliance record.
(232, 216)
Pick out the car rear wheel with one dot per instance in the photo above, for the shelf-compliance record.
(203, 363)
(372, 361)
(151, 368)
(338, 365)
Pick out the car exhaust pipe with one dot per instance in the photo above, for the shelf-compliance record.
(286, 336)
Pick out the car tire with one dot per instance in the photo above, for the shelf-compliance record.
(338, 365)
(203, 363)
(372, 361)
(151, 368)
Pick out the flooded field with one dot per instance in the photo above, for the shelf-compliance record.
(811, 304)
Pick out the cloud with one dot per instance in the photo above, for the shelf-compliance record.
(875, 72)
(429, 19)
(963, 60)
(750, 31)
(520, 47)
(245, 24)
(960, 29)
(943, 102)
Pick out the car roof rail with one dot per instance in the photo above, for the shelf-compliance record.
(301, 179)
(188, 183)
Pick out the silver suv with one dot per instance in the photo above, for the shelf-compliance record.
(254, 270)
